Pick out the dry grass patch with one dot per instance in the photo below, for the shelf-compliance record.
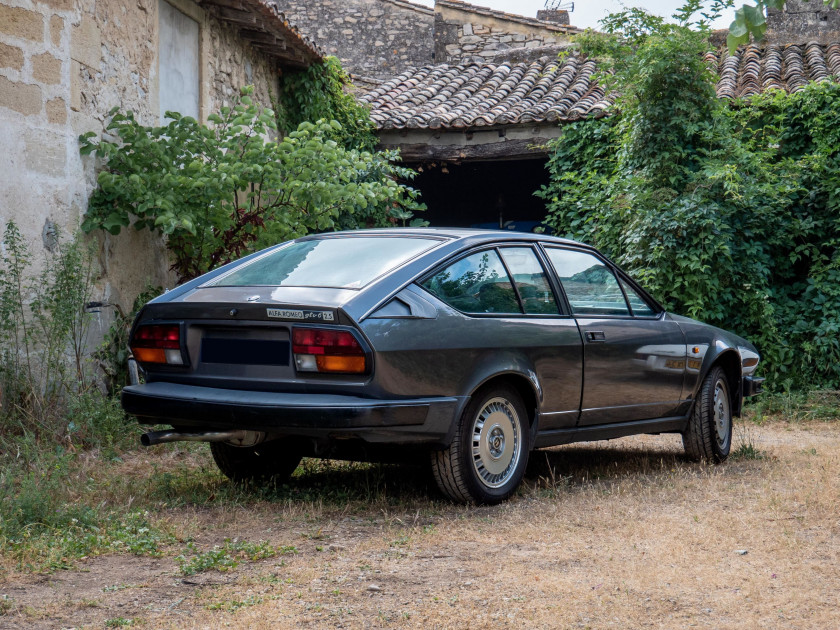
(604, 535)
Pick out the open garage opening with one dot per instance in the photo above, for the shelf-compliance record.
(491, 194)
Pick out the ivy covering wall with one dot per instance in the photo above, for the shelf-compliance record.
(729, 213)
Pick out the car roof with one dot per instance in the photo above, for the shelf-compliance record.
(473, 235)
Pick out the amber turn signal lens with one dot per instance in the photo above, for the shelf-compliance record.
(149, 355)
(750, 362)
(352, 365)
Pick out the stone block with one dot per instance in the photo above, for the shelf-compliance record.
(468, 29)
(59, 5)
(21, 23)
(534, 43)
(22, 98)
(56, 26)
(488, 53)
(470, 39)
(11, 57)
(57, 111)
(45, 153)
(506, 39)
(46, 69)
(519, 37)
(86, 43)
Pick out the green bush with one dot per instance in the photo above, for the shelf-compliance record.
(729, 214)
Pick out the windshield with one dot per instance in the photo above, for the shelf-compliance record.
(336, 263)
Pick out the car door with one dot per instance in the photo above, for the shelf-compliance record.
(634, 358)
(508, 314)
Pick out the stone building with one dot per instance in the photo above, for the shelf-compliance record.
(64, 64)
(803, 22)
(376, 39)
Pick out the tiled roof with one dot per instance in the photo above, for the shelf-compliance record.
(478, 95)
(545, 91)
(753, 69)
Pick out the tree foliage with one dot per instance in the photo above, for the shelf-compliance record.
(727, 214)
(221, 190)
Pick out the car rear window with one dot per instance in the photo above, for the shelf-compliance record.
(336, 263)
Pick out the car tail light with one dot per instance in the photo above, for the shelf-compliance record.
(158, 343)
(327, 350)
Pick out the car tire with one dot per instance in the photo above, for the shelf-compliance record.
(708, 436)
(270, 461)
(486, 460)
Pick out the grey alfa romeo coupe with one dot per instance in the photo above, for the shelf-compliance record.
(473, 346)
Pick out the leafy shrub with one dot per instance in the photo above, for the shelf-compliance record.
(726, 213)
(220, 191)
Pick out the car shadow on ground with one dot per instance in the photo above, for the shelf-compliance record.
(577, 464)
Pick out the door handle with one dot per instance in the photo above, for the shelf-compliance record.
(595, 335)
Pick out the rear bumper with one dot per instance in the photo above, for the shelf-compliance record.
(413, 421)
(753, 385)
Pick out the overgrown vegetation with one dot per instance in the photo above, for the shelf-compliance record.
(323, 92)
(728, 213)
(222, 190)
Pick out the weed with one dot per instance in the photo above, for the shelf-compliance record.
(118, 622)
(233, 605)
(227, 556)
(747, 451)
(6, 605)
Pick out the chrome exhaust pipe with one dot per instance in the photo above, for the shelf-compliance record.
(238, 438)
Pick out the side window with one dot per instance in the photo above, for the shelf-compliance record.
(589, 284)
(476, 284)
(637, 304)
(529, 276)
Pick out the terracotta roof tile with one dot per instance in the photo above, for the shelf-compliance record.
(753, 69)
(546, 91)
(479, 95)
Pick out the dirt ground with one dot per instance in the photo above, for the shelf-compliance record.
(621, 534)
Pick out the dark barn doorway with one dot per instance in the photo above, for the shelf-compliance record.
(487, 194)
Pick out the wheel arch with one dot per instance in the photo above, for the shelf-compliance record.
(730, 361)
(524, 386)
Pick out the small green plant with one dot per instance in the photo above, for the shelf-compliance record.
(233, 605)
(223, 190)
(118, 622)
(227, 556)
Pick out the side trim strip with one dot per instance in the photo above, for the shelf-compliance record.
(610, 431)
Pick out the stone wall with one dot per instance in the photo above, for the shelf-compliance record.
(465, 32)
(371, 38)
(63, 65)
(803, 22)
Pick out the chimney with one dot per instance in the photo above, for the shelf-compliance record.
(554, 15)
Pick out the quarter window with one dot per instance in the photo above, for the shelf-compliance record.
(529, 276)
(639, 306)
(476, 284)
(589, 284)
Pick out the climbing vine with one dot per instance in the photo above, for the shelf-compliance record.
(727, 213)
(324, 91)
